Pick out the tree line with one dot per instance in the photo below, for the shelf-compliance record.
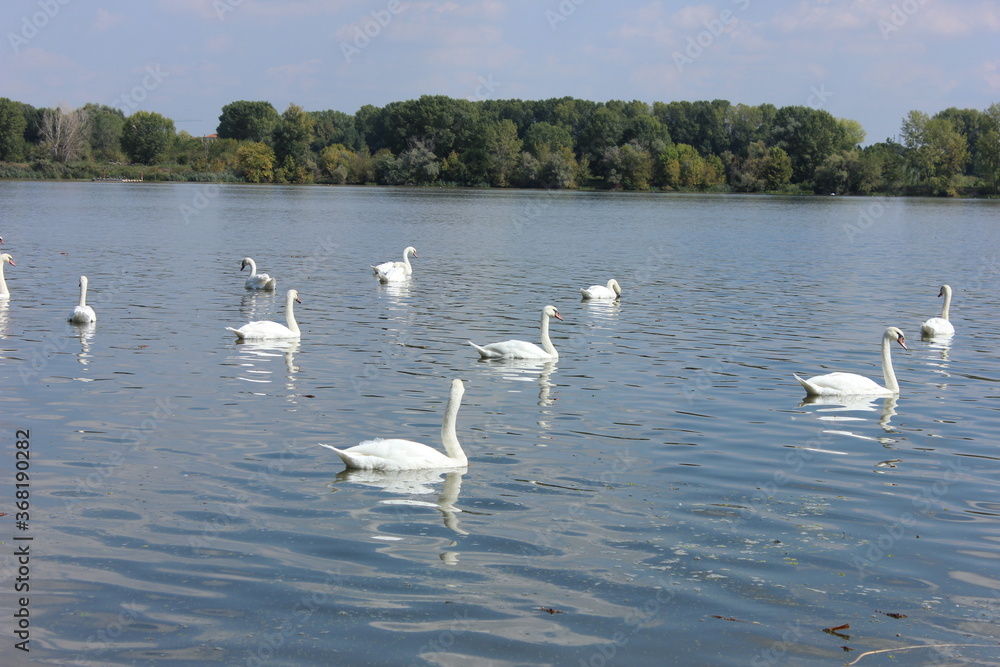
(559, 143)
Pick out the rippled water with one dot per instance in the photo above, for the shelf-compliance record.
(659, 495)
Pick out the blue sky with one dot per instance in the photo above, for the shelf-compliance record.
(870, 60)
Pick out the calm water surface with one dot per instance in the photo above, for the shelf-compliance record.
(660, 495)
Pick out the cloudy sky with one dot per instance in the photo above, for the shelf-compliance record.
(870, 60)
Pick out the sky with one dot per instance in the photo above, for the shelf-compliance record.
(869, 60)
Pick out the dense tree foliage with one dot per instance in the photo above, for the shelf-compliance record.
(555, 143)
(146, 135)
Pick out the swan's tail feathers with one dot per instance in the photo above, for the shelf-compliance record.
(584, 293)
(271, 285)
(805, 385)
(483, 352)
(239, 334)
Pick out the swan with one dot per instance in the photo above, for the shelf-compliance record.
(396, 454)
(83, 314)
(940, 326)
(258, 280)
(612, 291)
(850, 384)
(267, 329)
(386, 267)
(5, 259)
(519, 349)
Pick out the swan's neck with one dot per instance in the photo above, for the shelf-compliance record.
(947, 304)
(406, 261)
(293, 326)
(83, 294)
(449, 434)
(253, 266)
(888, 374)
(546, 341)
(4, 292)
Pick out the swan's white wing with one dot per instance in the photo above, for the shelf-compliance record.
(394, 274)
(261, 281)
(393, 454)
(511, 349)
(383, 267)
(264, 329)
(841, 384)
(937, 326)
(83, 315)
(598, 292)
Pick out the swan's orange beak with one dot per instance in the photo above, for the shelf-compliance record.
(298, 300)
(902, 343)
(12, 263)
(557, 316)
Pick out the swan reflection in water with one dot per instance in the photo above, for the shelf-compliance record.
(253, 356)
(85, 333)
(258, 305)
(527, 370)
(847, 404)
(419, 483)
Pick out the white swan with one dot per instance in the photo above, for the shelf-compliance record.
(519, 349)
(940, 326)
(83, 314)
(267, 329)
(395, 271)
(256, 280)
(396, 454)
(5, 259)
(612, 291)
(850, 384)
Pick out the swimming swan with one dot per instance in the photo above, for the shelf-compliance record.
(394, 271)
(5, 259)
(850, 384)
(940, 326)
(519, 349)
(612, 291)
(267, 329)
(396, 454)
(83, 314)
(260, 281)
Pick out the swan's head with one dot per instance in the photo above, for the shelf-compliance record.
(410, 250)
(457, 388)
(897, 335)
(246, 262)
(945, 289)
(1, 239)
(551, 311)
(83, 281)
(7, 259)
(613, 285)
(293, 295)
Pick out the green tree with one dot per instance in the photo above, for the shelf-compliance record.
(255, 162)
(553, 137)
(937, 151)
(808, 136)
(503, 148)
(988, 148)
(247, 121)
(12, 126)
(418, 164)
(146, 136)
(293, 134)
(106, 124)
(335, 162)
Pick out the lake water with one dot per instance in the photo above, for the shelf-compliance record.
(659, 495)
